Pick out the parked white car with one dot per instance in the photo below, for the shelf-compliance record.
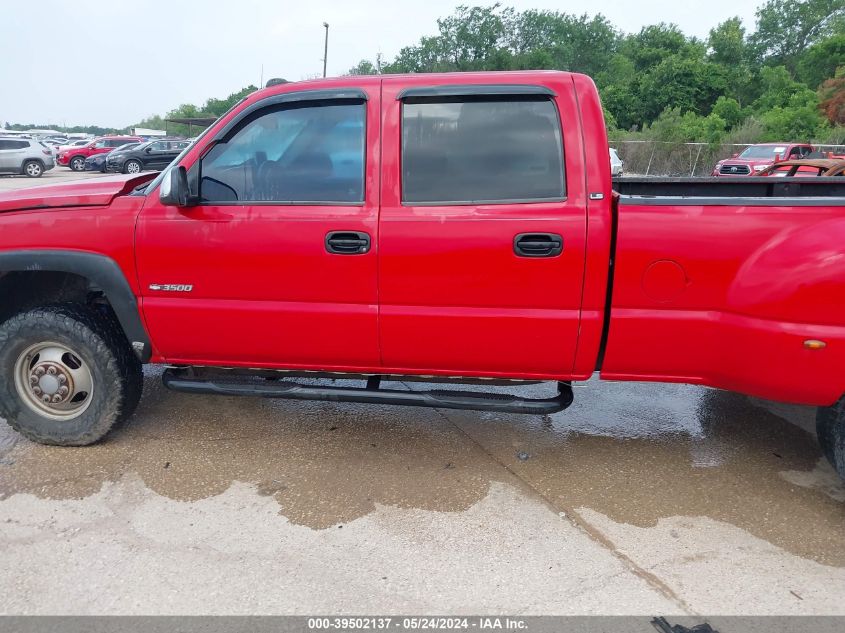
(25, 156)
(616, 164)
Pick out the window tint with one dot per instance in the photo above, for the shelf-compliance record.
(297, 154)
(481, 150)
(13, 144)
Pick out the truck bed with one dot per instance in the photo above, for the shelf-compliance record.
(730, 282)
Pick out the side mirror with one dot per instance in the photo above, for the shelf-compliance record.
(174, 188)
(148, 150)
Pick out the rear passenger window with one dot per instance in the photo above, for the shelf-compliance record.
(481, 150)
(311, 154)
(14, 144)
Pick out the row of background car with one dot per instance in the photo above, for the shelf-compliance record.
(32, 156)
(135, 157)
(135, 154)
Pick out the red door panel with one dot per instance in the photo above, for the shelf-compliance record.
(264, 290)
(453, 294)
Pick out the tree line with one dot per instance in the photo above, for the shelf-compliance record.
(212, 108)
(785, 80)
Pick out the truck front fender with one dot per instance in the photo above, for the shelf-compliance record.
(102, 272)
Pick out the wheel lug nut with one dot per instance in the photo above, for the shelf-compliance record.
(37, 390)
(33, 379)
(57, 399)
(46, 398)
(63, 390)
(39, 371)
(51, 371)
(62, 379)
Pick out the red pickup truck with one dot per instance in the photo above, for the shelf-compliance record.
(458, 226)
(756, 158)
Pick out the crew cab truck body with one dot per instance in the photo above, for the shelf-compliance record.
(451, 226)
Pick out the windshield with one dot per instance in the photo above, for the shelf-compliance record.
(763, 151)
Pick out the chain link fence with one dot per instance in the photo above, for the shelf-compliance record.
(663, 158)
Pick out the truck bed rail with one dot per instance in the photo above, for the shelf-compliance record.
(726, 187)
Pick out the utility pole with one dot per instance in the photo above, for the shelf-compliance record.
(325, 48)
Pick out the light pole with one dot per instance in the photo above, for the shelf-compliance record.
(325, 48)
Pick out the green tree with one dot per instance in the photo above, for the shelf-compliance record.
(729, 111)
(216, 107)
(653, 44)
(821, 60)
(364, 67)
(687, 83)
(548, 39)
(786, 28)
(727, 47)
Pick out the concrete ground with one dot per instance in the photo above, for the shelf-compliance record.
(639, 499)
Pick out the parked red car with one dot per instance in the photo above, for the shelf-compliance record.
(756, 158)
(74, 157)
(459, 225)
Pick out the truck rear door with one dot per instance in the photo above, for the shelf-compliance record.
(482, 226)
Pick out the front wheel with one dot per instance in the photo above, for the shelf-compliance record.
(77, 163)
(68, 374)
(830, 427)
(132, 167)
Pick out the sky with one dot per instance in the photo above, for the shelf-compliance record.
(113, 62)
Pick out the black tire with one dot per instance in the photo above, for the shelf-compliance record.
(77, 163)
(33, 169)
(134, 164)
(96, 338)
(830, 428)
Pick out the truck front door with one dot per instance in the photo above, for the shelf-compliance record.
(276, 263)
(482, 228)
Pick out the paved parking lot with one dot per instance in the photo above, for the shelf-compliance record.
(639, 499)
(55, 176)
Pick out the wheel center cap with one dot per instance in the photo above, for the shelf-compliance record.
(49, 384)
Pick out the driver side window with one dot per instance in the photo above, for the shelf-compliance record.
(302, 153)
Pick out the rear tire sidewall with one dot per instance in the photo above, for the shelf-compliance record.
(127, 167)
(33, 166)
(88, 426)
(77, 163)
(830, 428)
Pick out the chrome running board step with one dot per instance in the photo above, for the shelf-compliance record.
(186, 381)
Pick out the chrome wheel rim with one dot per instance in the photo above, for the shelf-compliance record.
(33, 169)
(133, 168)
(54, 381)
(77, 164)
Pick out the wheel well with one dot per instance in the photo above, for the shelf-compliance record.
(38, 277)
(24, 289)
(32, 160)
